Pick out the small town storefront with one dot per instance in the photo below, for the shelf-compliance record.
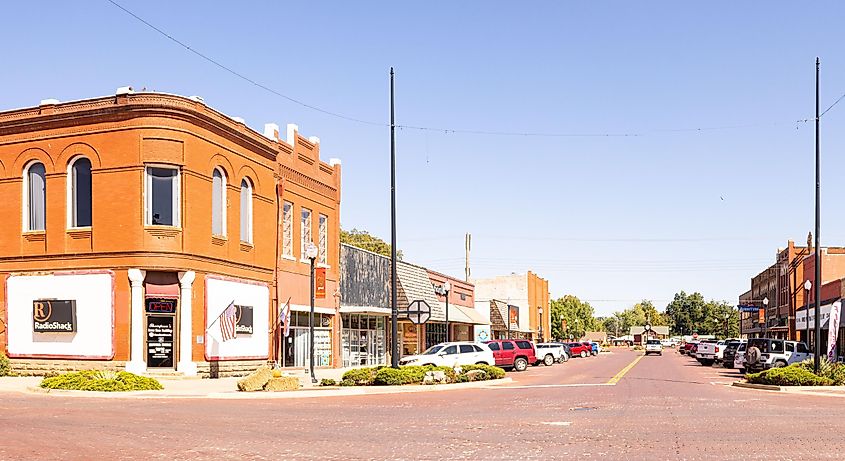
(296, 345)
(363, 339)
(825, 311)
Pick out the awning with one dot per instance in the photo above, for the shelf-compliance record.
(462, 314)
(157, 285)
(365, 310)
(824, 310)
(317, 309)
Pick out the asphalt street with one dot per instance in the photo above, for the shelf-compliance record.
(662, 408)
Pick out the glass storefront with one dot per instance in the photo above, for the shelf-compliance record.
(409, 338)
(363, 340)
(435, 333)
(295, 347)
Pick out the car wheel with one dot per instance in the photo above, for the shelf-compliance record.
(548, 360)
(481, 363)
(779, 364)
(520, 364)
(583, 354)
(660, 353)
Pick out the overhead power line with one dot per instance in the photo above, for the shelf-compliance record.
(446, 130)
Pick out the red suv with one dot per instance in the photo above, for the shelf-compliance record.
(580, 349)
(512, 353)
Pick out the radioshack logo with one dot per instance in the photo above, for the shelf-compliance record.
(243, 324)
(53, 316)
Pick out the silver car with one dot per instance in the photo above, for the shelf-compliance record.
(653, 346)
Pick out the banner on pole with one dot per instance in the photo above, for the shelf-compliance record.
(833, 331)
(320, 282)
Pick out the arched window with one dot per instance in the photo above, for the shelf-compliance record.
(246, 211)
(218, 202)
(35, 197)
(79, 183)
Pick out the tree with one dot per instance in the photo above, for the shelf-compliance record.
(577, 314)
(363, 240)
(690, 314)
(637, 315)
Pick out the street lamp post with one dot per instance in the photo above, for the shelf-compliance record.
(727, 331)
(447, 287)
(765, 316)
(808, 285)
(311, 254)
(540, 310)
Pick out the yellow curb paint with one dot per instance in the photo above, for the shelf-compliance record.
(622, 372)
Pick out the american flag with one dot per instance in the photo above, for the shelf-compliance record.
(227, 322)
(284, 317)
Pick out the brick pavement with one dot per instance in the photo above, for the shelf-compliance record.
(665, 407)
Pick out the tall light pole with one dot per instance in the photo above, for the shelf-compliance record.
(447, 287)
(727, 331)
(540, 311)
(394, 309)
(807, 286)
(765, 316)
(311, 254)
(818, 261)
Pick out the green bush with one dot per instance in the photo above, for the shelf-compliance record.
(361, 376)
(101, 381)
(793, 375)
(347, 382)
(491, 371)
(833, 371)
(390, 377)
(4, 365)
(328, 382)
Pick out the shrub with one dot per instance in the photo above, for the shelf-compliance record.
(328, 382)
(4, 365)
(361, 376)
(833, 371)
(792, 375)
(347, 382)
(391, 377)
(90, 380)
(491, 371)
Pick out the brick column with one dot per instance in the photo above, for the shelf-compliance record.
(186, 364)
(137, 364)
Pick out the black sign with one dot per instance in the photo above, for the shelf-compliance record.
(53, 316)
(160, 341)
(161, 305)
(244, 324)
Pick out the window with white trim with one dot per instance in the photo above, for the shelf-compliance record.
(35, 197)
(162, 196)
(287, 230)
(246, 211)
(304, 232)
(322, 242)
(218, 202)
(79, 193)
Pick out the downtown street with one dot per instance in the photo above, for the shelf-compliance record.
(664, 407)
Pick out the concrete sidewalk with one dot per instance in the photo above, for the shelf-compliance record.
(226, 388)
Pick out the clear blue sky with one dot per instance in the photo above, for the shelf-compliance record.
(609, 219)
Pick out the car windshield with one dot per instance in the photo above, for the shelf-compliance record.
(433, 350)
(653, 341)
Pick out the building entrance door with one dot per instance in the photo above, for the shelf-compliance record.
(160, 336)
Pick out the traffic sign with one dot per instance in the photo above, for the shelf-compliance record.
(418, 312)
(695, 336)
(647, 327)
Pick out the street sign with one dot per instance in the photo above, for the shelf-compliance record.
(418, 312)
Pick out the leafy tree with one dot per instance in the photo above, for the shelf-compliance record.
(692, 314)
(637, 315)
(577, 314)
(363, 240)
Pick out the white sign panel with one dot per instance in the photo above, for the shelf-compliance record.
(218, 294)
(92, 293)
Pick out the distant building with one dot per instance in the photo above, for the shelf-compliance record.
(527, 298)
(656, 332)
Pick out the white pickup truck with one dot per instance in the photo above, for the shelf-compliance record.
(549, 353)
(710, 351)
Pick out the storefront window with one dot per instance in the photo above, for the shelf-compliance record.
(296, 346)
(434, 333)
(363, 340)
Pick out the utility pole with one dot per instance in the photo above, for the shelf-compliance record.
(394, 310)
(818, 281)
(468, 244)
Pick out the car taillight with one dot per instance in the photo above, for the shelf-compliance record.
(717, 349)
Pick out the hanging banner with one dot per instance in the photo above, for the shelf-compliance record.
(320, 282)
(833, 331)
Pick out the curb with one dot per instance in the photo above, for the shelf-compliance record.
(795, 390)
(761, 387)
(305, 393)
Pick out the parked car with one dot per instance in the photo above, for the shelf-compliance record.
(593, 348)
(514, 354)
(579, 350)
(692, 350)
(567, 353)
(729, 354)
(708, 350)
(549, 353)
(739, 357)
(668, 343)
(764, 353)
(452, 354)
(653, 346)
(688, 347)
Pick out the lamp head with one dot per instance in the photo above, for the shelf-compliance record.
(310, 250)
(766, 301)
(447, 286)
(807, 285)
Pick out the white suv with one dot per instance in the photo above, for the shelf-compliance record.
(452, 354)
(764, 353)
(653, 346)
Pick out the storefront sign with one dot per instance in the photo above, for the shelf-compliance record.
(53, 316)
(161, 305)
(513, 316)
(243, 326)
(320, 283)
(160, 341)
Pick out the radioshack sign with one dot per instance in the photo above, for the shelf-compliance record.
(53, 316)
